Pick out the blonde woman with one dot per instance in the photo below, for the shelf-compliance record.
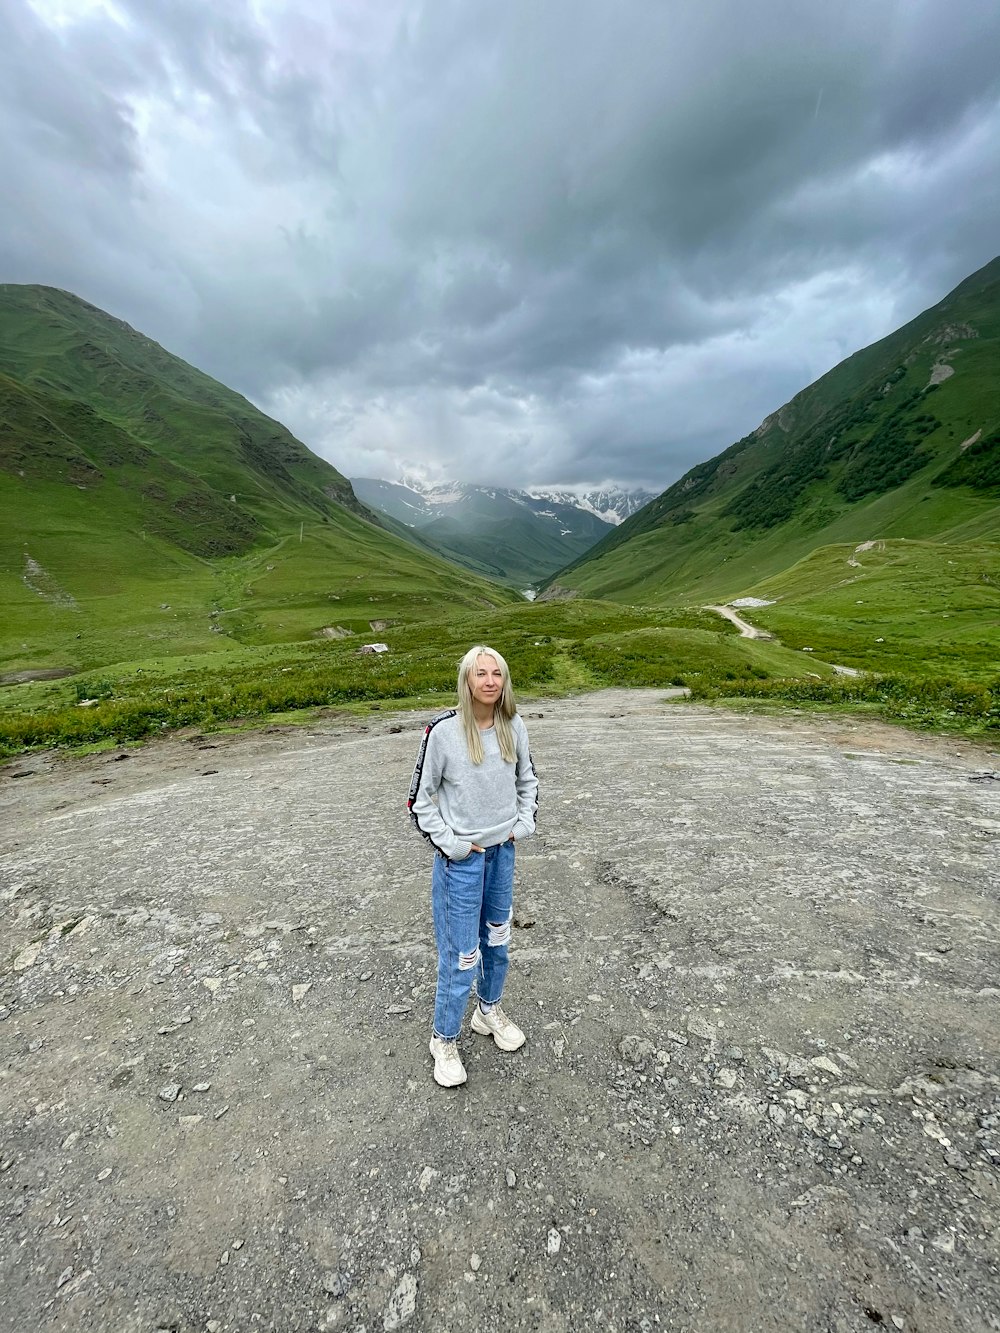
(474, 794)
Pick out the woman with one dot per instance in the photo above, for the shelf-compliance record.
(473, 795)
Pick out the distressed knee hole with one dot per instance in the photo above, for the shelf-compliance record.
(497, 933)
(467, 960)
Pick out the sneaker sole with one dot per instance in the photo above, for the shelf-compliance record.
(479, 1026)
(444, 1083)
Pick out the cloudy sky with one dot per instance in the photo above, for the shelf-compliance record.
(519, 241)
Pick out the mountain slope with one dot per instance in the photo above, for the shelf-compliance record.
(900, 440)
(516, 536)
(145, 508)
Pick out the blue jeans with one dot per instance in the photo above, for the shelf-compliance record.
(473, 904)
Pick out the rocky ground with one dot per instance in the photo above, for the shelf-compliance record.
(757, 959)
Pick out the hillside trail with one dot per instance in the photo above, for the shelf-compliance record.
(747, 631)
(755, 958)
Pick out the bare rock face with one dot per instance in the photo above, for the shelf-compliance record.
(755, 958)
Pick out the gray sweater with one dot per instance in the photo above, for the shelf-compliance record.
(454, 802)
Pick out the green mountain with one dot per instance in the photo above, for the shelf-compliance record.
(145, 509)
(513, 536)
(901, 440)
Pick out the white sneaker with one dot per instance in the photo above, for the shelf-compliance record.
(449, 1071)
(507, 1035)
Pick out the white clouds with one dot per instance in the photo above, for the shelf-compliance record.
(507, 242)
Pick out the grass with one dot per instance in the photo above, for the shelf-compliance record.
(552, 648)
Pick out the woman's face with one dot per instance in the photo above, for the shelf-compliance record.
(486, 680)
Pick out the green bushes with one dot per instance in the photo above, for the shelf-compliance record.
(944, 704)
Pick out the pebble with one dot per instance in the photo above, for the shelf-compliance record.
(169, 1092)
(200, 1087)
(776, 1113)
(510, 1178)
(402, 1303)
(725, 1078)
(64, 1277)
(212, 983)
(103, 1175)
(826, 1064)
(701, 1027)
(366, 976)
(399, 1009)
(475, 1262)
(299, 991)
(336, 1284)
(553, 1242)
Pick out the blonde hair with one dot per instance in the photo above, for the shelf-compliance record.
(503, 710)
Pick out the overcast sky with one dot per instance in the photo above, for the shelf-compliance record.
(515, 241)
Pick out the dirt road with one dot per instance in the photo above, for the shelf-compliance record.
(756, 959)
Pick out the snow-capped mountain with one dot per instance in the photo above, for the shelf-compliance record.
(517, 536)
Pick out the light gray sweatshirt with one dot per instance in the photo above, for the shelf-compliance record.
(455, 803)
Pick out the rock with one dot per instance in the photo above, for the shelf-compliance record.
(299, 991)
(553, 1242)
(726, 1078)
(103, 1174)
(189, 1121)
(957, 1160)
(678, 1037)
(510, 1178)
(635, 1050)
(701, 1027)
(337, 1284)
(776, 1058)
(399, 1008)
(945, 1242)
(212, 983)
(64, 1277)
(427, 1177)
(777, 1114)
(28, 955)
(200, 1087)
(826, 1064)
(402, 1303)
(169, 1092)
(475, 1262)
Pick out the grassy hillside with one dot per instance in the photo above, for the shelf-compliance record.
(146, 508)
(507, 535)
(902, 440)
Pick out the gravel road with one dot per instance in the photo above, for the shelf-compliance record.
(756, 958)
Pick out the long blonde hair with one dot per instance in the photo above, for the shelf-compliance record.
(503, 710)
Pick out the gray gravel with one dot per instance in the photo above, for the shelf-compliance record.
(758, 961)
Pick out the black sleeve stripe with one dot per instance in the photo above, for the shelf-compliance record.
(419, 770)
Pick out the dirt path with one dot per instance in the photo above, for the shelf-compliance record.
(756, 959)
(747, 631)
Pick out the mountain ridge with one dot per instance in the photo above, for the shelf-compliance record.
(884, 444)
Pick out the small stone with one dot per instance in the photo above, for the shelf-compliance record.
(510, 1178)
(826, 1064)
(678, 1037)
(725, 1078)
(475, 1262)
(225, 1258)
(701, 1027)
(189, 1121)
(635, 1050)
(28, 955)
(957, 1160)
(220, 1112)
(777, 1114)
(336, 1284)
(945, 1242)
(103, 1175)
(402, 1303)
(553, 1242)
(200, 1087)
(169, 1092)
(63, 1277)
(898, 1321)
(238, 1244)
(212, 983)
(366, 976)
(399, 1009)
(299, 991)
(213, 1326)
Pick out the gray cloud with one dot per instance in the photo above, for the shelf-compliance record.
(530, 243)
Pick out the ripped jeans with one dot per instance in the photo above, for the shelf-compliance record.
(473, 904)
